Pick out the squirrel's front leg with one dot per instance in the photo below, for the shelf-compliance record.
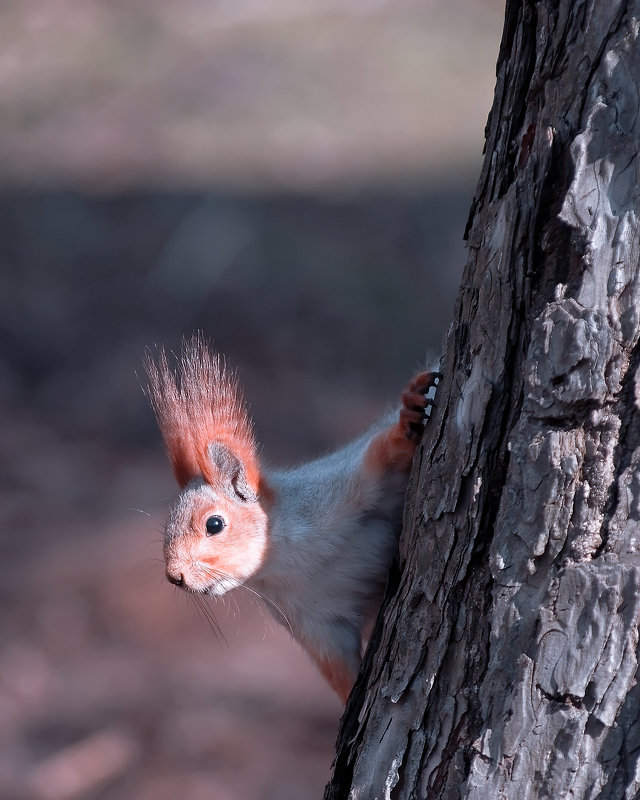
(386, 463)
(392, 449)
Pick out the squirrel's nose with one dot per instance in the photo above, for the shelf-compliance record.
(177, 578)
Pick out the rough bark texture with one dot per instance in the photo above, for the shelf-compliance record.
(504, 663)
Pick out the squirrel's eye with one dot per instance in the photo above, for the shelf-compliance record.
(214, 525)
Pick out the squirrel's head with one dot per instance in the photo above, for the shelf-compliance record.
(216, 534)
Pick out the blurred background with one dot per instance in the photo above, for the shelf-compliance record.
(293, 178)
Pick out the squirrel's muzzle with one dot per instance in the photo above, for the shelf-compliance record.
(177, 578)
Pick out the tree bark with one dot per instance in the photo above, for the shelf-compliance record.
(504, 661)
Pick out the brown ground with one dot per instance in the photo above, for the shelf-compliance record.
(240, 144)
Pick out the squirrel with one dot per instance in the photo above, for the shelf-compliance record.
(315, 541)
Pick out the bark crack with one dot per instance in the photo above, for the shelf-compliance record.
(562, 698)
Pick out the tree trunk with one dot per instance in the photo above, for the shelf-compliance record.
(504, 662)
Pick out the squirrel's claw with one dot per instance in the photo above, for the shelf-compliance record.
(417, 406)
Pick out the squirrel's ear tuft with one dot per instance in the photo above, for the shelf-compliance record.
(200, 408)
(167, 401)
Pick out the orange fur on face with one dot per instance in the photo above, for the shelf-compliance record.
(214, 562)
(198, 405)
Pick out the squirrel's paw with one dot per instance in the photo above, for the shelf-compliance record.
(416, 402)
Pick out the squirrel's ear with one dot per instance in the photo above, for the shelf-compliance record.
(231, 474)
(204, 421)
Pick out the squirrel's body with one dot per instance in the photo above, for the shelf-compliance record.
(314, 541)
